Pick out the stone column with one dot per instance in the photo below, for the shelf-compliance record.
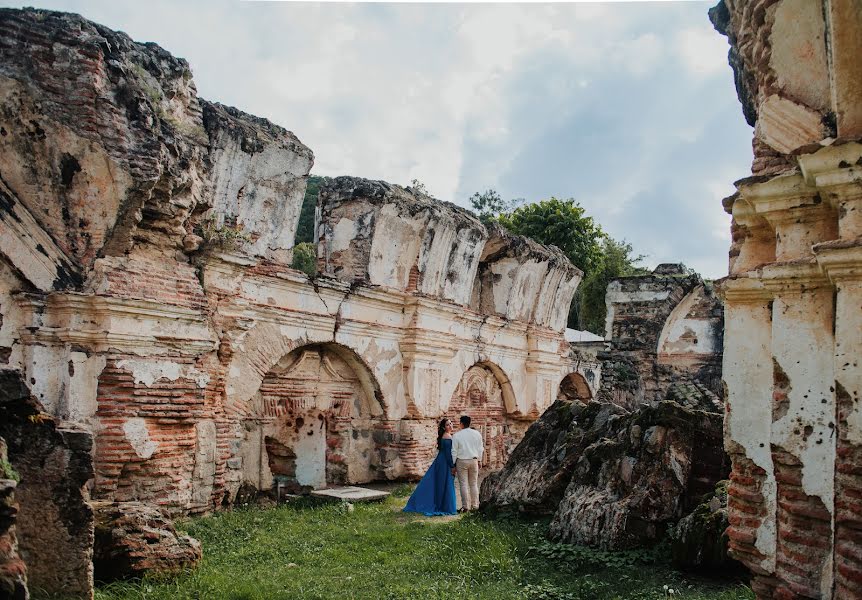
(841, 260)
(803, 399)
(747, 371)
(844, 267)
(803, 428)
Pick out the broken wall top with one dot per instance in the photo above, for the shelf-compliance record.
(669, 311)
(106, 149)
(377, 233)
(796, 73)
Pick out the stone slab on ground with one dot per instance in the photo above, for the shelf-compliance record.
(351, 494)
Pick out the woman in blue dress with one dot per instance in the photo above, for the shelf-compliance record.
(435, 494)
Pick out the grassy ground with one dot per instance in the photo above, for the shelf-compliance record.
(376, 551)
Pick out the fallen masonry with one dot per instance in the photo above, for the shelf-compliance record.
(619, 471)
(162, 355)
(611, 478)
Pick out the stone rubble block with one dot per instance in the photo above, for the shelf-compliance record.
(612, 479)
(134, 539)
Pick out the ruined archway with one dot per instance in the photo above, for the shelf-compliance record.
(485, 394)
(311, 422)
(575, 387)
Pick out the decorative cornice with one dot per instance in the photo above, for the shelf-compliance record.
(793, 277)
(90, 321)
(841, 261)
(834, 166)
(745, 289)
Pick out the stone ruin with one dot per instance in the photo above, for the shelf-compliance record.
(157, 349)
(620, 471)
(665, 339)
(792, 342)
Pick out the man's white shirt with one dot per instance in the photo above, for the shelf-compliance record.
(466, 444)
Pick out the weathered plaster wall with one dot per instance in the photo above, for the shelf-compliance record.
(792, 299)
(146, 297)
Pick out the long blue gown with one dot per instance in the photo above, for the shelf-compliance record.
(435, 494)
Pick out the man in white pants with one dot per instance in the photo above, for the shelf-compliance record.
(467, 451)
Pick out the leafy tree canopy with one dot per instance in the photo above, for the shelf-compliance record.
(565, 224)
(560, 223)
(305, 258)
(305, 228)
(617, 260)
(489, 205)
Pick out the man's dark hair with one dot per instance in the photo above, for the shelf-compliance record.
(465, 420)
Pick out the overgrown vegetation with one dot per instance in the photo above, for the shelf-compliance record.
(305, 250)
(305, 258)
(7, 471)
(314, 551)
(224, 237)
(565, 224)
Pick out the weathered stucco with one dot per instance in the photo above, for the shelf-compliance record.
(147, 299)
(791, 357)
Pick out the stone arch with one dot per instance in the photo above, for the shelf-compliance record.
(506, 388)
(257, 351)
(692, 329)
(311, 423)
(575, 387)
(485, 394)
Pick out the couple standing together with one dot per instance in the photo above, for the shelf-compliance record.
(460, 453)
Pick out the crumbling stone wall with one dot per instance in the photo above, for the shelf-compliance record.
(665, 339)
(146, 296)
(13, 572)
(54, 524)
(792, 342)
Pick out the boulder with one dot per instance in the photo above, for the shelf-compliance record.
(699, 540)
(133, 539)
(612, 479)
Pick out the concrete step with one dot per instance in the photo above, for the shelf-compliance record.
(350, 494)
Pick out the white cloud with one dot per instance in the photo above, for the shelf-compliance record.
(702, 52)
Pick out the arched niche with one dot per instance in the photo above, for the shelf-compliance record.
(692, 331)
(485, 394)
(311, 422)
(575, 387)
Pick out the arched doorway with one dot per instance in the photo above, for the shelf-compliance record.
(574, 387)
(481, 395)
(311, 421)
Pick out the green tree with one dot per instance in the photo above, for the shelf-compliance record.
(617, 260)
(419, 187)
(565, 224)
(305, 228)
(489, 205)
(560, 223)
(305, 258)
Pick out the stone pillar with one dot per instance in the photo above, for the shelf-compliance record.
(781, 405)
(841, 260)
(747, 372)
(803, 428)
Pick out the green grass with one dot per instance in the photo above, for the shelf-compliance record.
(324, 551)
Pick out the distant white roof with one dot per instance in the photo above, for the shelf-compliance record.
(575, 335)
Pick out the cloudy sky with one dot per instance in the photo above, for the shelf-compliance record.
(628, 107)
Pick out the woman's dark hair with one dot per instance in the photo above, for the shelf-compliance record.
(441, 430)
